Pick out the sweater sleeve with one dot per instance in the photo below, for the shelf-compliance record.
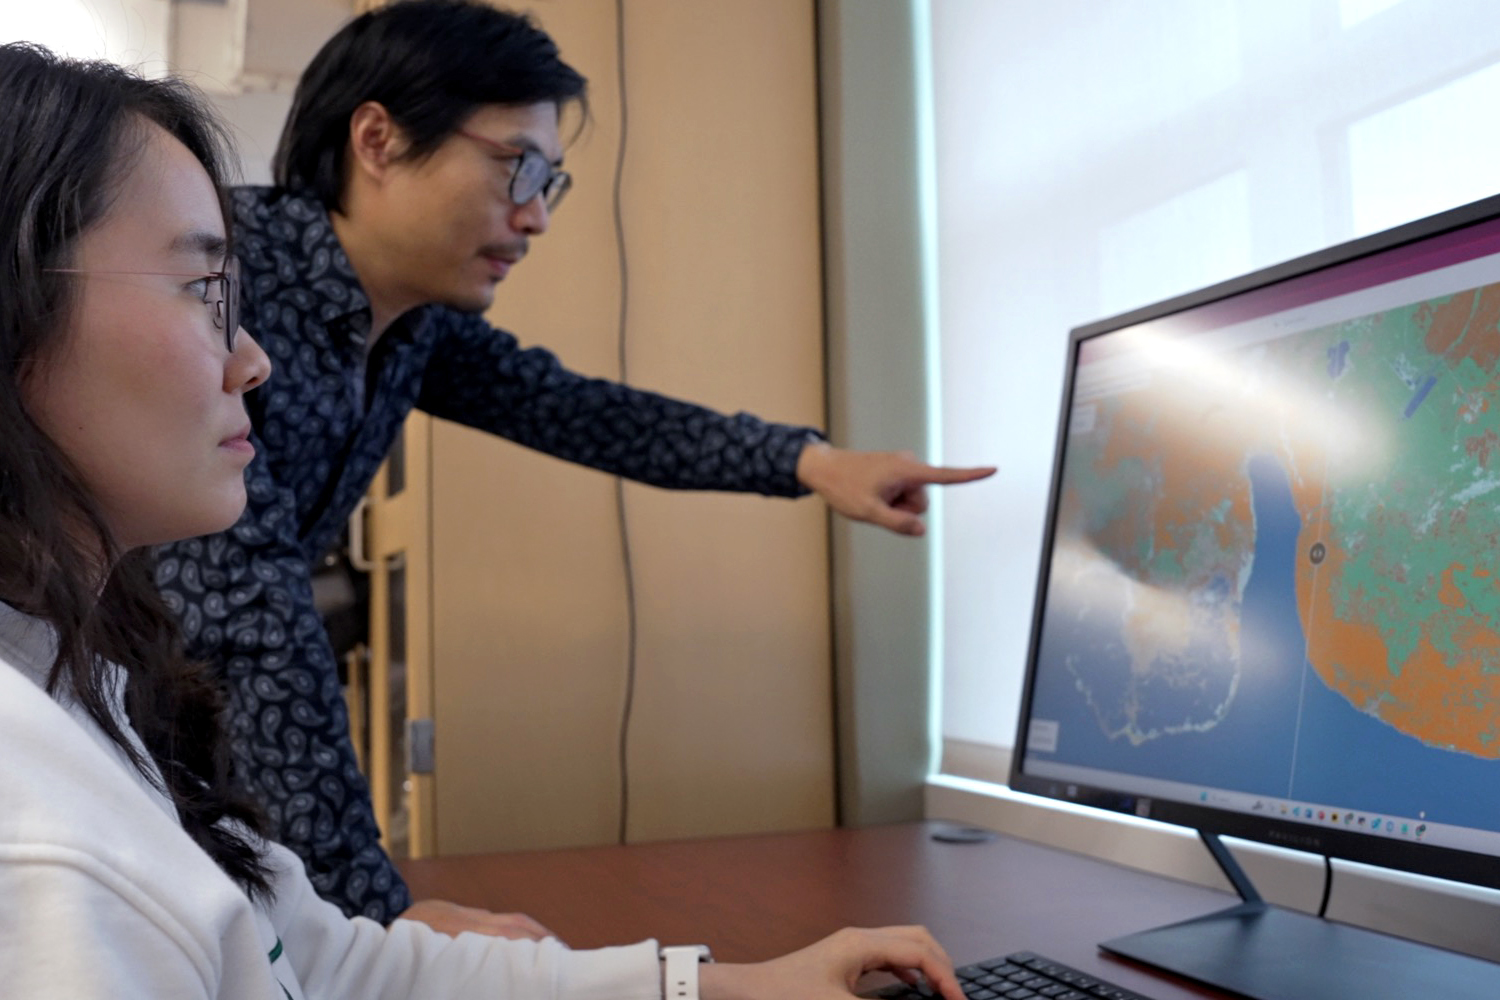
(244, 601)
(62, 906)
(480, 376)
(336, 957)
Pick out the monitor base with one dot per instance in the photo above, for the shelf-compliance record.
(1264, 952)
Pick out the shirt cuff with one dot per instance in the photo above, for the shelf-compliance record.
(787, 448)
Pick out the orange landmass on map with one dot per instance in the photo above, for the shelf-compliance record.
(1436, 697)
(1466, 328)
(1198, 473)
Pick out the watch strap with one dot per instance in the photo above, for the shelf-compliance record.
(680, 970)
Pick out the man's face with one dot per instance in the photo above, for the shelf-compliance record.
(448, 221)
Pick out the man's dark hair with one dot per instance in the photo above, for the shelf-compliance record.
(431, 64)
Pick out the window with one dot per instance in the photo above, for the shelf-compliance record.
(1092, 157)
(130, 32)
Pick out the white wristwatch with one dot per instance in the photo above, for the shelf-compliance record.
(679, 971)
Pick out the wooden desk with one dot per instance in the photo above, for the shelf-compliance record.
(752, 898)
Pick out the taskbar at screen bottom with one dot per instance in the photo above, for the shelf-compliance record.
(1072, 783)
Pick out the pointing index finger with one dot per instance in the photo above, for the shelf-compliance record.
(941, 475)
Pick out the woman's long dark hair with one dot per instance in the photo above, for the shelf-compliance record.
(72, 131)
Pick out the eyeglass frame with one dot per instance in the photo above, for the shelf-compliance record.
(552, 188)
(224, 312)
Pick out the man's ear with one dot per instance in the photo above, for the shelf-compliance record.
(375, 140)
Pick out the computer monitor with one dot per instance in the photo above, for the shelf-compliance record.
(1269, 598)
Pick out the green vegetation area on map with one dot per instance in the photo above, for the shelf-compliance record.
(1385, 429)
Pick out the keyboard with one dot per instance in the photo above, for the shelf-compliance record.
(1021, 976)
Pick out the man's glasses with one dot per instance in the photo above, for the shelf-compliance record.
(532, 175)
(221, 293)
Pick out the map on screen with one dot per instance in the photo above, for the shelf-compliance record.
(1277, 562)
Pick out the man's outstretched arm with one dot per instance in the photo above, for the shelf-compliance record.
(481, 376)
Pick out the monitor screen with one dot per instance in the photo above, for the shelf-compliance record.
(1269, 601)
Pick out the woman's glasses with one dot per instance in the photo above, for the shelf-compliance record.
(532, 175)
(221, 293)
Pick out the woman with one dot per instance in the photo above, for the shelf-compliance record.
(127, 867)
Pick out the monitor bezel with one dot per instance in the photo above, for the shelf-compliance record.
(1421, 858)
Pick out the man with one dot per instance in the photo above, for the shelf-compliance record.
(420, 157)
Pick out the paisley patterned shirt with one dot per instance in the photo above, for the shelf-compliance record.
(323, 423)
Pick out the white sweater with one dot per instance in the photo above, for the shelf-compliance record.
(102, 894)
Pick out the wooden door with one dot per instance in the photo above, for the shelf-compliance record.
(393, 693)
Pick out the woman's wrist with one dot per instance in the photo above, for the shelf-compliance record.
(721, 981)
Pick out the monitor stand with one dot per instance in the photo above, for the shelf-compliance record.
(1265, 952)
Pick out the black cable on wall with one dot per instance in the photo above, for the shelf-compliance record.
(627, 563)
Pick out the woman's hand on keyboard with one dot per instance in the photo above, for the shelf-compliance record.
(830, 968)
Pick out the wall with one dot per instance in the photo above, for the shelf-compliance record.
(246, 55)
(731, 723)
(879, 319)
(130, 32)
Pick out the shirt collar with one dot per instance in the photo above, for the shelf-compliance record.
(29, 644)
(340, 302)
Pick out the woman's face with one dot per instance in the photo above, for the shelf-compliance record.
(140, 391)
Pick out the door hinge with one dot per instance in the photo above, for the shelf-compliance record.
(420, 751)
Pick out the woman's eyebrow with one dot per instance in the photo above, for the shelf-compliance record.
(201, 241)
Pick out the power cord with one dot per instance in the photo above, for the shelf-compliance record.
(1327, 885)
(628, 564)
